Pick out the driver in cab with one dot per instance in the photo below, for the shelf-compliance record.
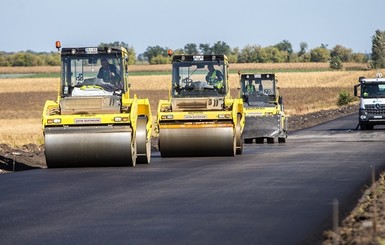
(250, 88)
(214, 77)
(108, 72)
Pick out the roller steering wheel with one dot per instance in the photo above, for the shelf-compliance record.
(187, 80)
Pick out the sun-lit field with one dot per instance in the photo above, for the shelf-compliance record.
(30, 69)
(22, 99)
(306, 66)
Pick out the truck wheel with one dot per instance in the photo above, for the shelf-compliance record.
(270, 140)
(281, 140)
(259, 140)
(248, 141)
(363, 126)
(366, 127)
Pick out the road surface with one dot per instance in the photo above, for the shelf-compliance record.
(271, 194)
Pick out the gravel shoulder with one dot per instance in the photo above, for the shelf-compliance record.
(365, 224)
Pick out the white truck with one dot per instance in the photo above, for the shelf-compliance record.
(371, 92)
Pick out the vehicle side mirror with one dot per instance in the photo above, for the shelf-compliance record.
(356, 90)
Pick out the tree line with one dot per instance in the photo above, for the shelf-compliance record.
(278, 53)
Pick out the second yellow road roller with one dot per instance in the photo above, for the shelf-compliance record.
(200, 118)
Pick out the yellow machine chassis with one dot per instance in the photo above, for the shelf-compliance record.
(201, 133)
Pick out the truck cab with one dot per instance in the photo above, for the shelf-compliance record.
(371, 92)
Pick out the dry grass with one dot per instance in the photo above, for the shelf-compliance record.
(262, 66)
(22, 85)
(18, 132)
(306, 66)
(167, 67)
(30, 69)
(21, 106)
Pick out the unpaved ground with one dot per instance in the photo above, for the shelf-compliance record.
(356, 229)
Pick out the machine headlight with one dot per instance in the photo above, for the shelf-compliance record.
(120, 119)
(167, 116)
(52, 121)
(363, 117)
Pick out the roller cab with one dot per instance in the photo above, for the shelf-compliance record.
(94, 122)
(264, 112)
(200, 118)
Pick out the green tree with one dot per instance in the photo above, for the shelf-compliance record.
(378, 49)
(130, 50)
(191, 48)
(25, 59)
(344, 98)
(233, 56)
(344, 54)
(154, 51)
(205, 48)
(159, 59)
(249, 54)
(335, 63)
(4, 61)
(320, 54)
(303, 48)
(285, 46)
(221, 48)
(51, 59)
(360, 57)
(271, 55)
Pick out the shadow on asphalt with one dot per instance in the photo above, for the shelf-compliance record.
(9, 165)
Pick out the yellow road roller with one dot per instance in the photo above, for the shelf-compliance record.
(94, 122)
(264, 112)
(200, 118)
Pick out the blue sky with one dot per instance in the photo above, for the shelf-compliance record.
(37, 24)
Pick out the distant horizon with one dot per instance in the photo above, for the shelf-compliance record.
(36, 25)
(240, 48)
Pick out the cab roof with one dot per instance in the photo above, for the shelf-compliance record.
(197, 58)
(266, 76)
(92, 50)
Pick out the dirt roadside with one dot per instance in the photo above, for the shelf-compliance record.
(357, 228)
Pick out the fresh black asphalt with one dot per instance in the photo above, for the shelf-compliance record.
(271, 194)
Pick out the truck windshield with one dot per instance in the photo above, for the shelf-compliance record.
(373, 90)
(205, 79)
(103, 71)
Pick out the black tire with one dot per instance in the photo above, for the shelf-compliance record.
(270, 140)
(249, 141)
(259, 140)
(366, 127)
(281, 140)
